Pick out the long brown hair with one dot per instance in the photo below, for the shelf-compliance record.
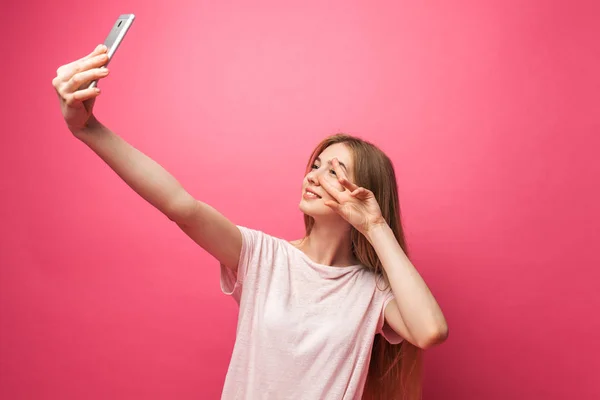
(394, 370)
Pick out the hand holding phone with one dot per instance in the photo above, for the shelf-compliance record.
(115, 37)
(75, 82)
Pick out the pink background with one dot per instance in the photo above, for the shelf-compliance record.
(489, 110)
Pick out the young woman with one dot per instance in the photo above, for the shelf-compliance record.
(339, 314)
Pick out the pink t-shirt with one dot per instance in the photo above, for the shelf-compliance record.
(305, 330)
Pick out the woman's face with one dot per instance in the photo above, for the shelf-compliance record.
(314, 195)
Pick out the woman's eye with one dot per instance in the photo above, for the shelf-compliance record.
(314, 166)
(333, 172)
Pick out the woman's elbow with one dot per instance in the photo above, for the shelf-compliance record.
(439, 336)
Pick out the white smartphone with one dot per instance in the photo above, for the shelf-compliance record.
(115, 37)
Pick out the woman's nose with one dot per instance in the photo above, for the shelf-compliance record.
(312, 177)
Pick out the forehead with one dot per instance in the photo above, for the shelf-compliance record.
(339, 151)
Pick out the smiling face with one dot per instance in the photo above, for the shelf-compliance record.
(313, 194)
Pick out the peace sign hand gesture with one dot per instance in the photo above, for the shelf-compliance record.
(355, 204)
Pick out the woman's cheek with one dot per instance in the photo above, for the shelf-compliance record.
(333, 180)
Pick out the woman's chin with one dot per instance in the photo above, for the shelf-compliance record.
(315, 208)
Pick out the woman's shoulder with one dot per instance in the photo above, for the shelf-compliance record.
(295, 243)
(258, 237)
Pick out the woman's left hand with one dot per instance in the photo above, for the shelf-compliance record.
(355, 204)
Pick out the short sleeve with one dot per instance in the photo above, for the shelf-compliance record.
(255, 247)
(382, 327)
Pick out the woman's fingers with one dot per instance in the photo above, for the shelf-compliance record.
(359, 192)
(329, 188)
(100, 49)
(72, 86)
(93, 60)
(81, 95)
(67, 89)
(342, 177)
(84, 78)
(85, 65)
(333, 205)
(61, 71)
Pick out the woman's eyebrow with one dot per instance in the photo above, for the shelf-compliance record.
(329, 162)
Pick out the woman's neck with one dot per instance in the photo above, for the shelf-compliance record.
(329, 245)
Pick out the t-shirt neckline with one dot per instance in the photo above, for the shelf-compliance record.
(324, 266)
